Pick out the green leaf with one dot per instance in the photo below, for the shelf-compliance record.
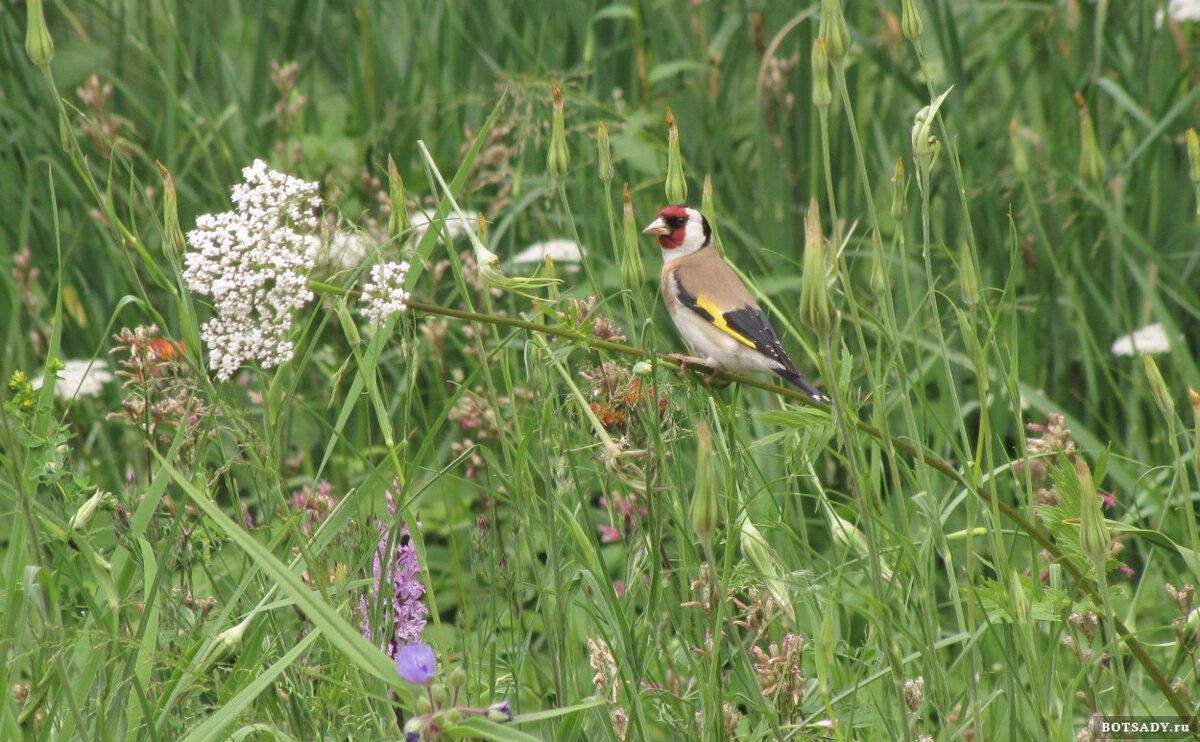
(480, 727)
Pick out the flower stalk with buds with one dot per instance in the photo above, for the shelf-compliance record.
(676, 183)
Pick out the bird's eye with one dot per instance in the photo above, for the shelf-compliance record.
(676, 222)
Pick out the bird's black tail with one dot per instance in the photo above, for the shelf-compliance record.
(797, 380)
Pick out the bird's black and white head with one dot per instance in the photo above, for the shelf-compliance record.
(681, 231)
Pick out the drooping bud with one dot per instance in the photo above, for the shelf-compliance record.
(849, 536)
(398, 221)
(758, 552)
(457, 678)
(1193, 147)
(38, 43)
(706, 507)
(488, 261)
(230, 640)
(910, 20)
(676, 183)
(822, 95)
(559, 159)
(605, 153)
(1158, 388)
(1094, 538)
(1091, 162)
(926, 146)
(816, 305)
(899, 191)
(633, 274)
(171, 228)
(833, 29)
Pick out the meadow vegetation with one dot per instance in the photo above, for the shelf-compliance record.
(347, 457)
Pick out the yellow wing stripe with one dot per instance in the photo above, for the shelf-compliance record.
(718, 320)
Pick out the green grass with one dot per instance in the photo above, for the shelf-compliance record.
(902, 535)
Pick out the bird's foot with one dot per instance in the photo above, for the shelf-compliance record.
(685, 361)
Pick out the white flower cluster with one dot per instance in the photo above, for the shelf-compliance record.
(80, 378)
(1149, 339)
(455, 226)
(560, 251)
(253, 263)
(384, 294)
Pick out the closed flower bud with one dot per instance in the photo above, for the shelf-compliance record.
(501, 711)
(910, 20)
(816, 305)
(822, 95)
(706, 506)
(398, 221)
(559, 159)
(968, 274)
(848, 535)
(1094, 538)
(438, 691)
(174, 234)
(1091, 162)
(85, 512)
(605, 153)
(899, 191)
(1193, 148)
(642, 368)
(833, 29)
(1019, 598)
(424, 705)
(925, 145)
(1020, 157)
(457, 678)
(706, 196)
(1194, 398)
(758, 552)
(38, 43)
(1158, 388)
(229, 640)
(676, 183)
(633, 273)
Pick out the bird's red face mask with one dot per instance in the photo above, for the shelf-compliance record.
(670, 226)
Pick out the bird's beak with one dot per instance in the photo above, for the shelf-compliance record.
(658, 226)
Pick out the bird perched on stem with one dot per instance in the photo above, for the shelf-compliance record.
(712, 308)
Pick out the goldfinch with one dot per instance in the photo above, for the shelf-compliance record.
(712, 308)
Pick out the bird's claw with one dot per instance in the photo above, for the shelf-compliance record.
(685, 361)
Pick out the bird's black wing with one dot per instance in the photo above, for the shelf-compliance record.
(751, 323)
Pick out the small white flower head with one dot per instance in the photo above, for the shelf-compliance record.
(454, 226)
(79, 378)
(254, 263)
(344, 249)
(1179, 11)
(384, 294)
(1148, 339)
(560, 251)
